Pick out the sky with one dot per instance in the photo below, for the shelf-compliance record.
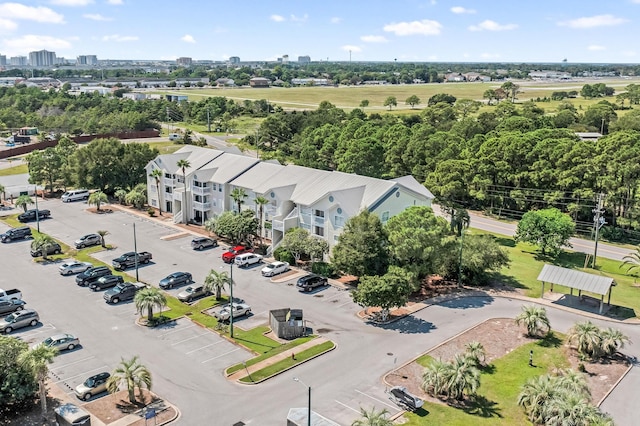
(581, 31)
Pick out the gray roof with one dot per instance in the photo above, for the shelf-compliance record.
(197, 156)
(575, 279)
(257, 175)
(228, 166)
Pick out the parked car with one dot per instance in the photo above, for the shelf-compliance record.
(239, 310)
(247, 259)
(12, 294)
(92, 386)
(74, 267)
(16, 234)
(61, 342)
(33, 214)
(122, 292)
(105, 282)
(88, 240)
(401, 396)
(176, 279)
(275, 268)
(200, 243)
(130, 259)
(51, 248)
(87, 277)
(192, 292)
(8, 306)
(75, 195)
(311, 281)
(19, 319)
(230, 255)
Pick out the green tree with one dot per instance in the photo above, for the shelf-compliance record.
(238, 195)
(412, 100)
(489, 95)
(388, 291)
(549, 229)
(464, 378)
(37, 360)
(136, 197)
(464, 107)
(17, 383)
(3, 196)
(149, 298)
(435, 378)
(441, 98)
(183, 164)
(475, 353)
(156, 175)
(103, 233)
(364, 103)
(587, 338)
(612, 341)
(535, 395)
(362, 248)
(260, 203)
(535, 319)
(215, 282)
(296, 241)
(481, 254)
(43, 243)
(44, 166)
(391, 102)
(97, 199)
(236, 227)
(23, 202)
(373, 417)
(511, 88)
(121, 195)
(460, 220)
(130, 374)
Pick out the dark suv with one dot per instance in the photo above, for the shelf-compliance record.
(51, 248)
(311, 281)
(92, 274)
(16, 234)
(105, 282)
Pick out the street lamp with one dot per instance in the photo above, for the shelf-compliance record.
(35, 192)
(231, 303)
(295, 379)
(135, 249)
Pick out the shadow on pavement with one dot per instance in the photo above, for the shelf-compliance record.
(468, 302)
(408, 325)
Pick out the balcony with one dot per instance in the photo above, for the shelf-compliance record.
(168, 181)
(200, 190)
(167, 196)
(318, 221)
(201, 206)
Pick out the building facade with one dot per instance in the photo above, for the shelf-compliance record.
(184, 61)
(90, 60)
(42, 58)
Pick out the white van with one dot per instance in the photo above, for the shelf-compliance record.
(174, 136)
(247, 259)
(75, 195)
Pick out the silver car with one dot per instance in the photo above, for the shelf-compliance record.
(88, 240)
(61, 342)
(19, 319)
(92, 386)
(70, 268)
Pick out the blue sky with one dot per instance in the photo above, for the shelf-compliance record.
(593, 31)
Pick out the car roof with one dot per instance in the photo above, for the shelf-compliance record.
(201, 238)
(60, 336)
(100, 375)
(25, 311)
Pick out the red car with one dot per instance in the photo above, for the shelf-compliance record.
(230, 256)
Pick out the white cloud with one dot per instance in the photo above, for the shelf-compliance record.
(461, 10)
(302, 18)
(593, 22)
(490, 25)
(31, 42)
(29, 13)
(596, 47)
(7, 26)
(351, 48)
(489, 55)
(373, 39)
(277, 18)
(71, 2)
(336, 20)
(119, 38)
(96, 17)
(188, 38)
(424, 27)
(115, 2)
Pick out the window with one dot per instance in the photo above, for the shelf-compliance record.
(385, 217)
(168, 189)
(339, 221)
(214, 187)
(168, 176)
(318, 213)
(220, 188)
(319, 231)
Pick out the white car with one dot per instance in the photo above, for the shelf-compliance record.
(247, 259)
(239, 310)
(71, 268)
(275, 268)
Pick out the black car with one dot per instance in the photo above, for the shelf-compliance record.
(88, 240)
(200, 243)
(50, 248)
(34, 214)
(311, 281)
(105, 282)
(16, 234)
(91, 275)
(176, 279)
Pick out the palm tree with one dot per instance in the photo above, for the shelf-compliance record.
(136, 198)
(534, 318)
(612, 340)
(373, 418)
(103, 233)
(215, 281)
(474, 351)
(156, 174)
(464, 378)
(632, 260)
(210, 225)
(37, 361)
(2, 194)
(571, 409)
(460, 220)
(435, 378)
(147, 299)
(42, 243)
(184, 164)
(133, 375)
(587, 338)
(261, 202)
(98, 198)
(535, 395)
(238, 195)
(23, 201)
(573, 382)
(121, 195)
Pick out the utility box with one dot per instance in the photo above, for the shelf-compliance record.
(287, 323)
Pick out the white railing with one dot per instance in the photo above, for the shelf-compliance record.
(292, 214)
(177, 217)
(319, 221)
(199, 190)
(169, 181)
(201, 206)
(277, 225)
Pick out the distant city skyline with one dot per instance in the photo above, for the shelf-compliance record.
(588, 31)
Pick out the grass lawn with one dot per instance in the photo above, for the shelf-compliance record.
(269, 353)
(165, 147)
(15, 170)
(500, 385)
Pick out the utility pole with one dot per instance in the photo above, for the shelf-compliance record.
(598, 222)
(208, 121)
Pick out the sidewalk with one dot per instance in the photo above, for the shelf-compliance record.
(272, 360)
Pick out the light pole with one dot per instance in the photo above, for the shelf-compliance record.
(35, 192)
(308, 400)
(135, 249)
(231, 302)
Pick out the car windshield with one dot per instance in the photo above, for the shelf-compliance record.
(10, 317)
(189, 289)
(48, 341)
(270, 266)
(90, 382)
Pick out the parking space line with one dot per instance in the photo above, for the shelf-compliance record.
(81, 374)
(55, 367)
(190, 338)
(220, 356)
(376, 399)
(176, 331)
(345, 303)
(196, 350)
(346, 406)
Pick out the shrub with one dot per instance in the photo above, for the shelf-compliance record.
(284, 255)
(325, 269)
(151, 212)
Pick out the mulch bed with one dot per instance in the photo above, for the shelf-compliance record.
(111, 408)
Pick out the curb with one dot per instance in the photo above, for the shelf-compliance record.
(615, 385)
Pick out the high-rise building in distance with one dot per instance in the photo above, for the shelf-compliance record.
(42, 58)
(184, 61)
(304, 59)
(3, 61)
(91, 60)
(234, 60)
(18, 61)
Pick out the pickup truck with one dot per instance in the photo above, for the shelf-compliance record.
(128, 260)
(10, 294)
(230, 255)
(33, 214)
(16, 234)
(122, 291)
(239, 310)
